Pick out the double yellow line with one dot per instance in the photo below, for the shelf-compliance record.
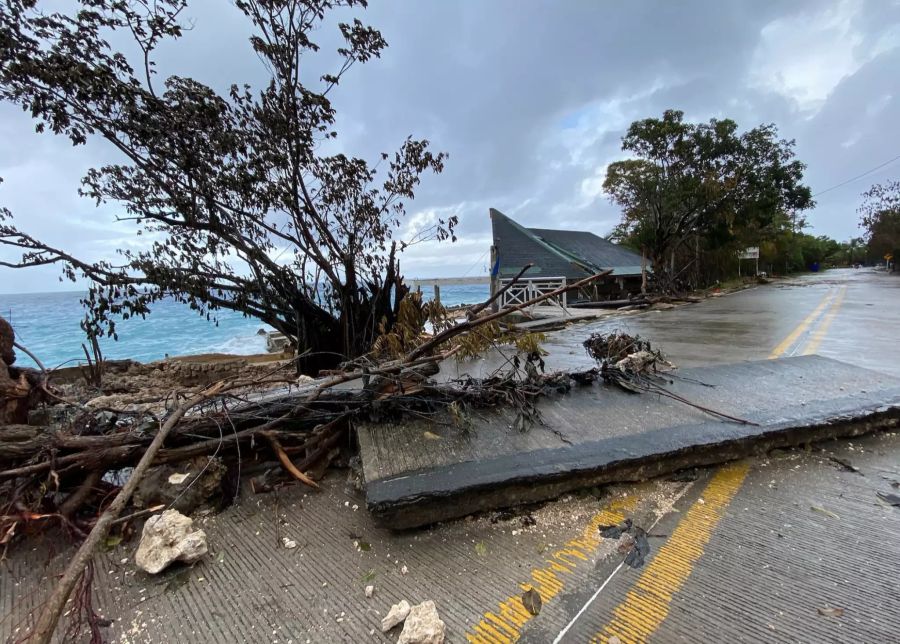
(832, 301)
(646, 605)
(819, 334)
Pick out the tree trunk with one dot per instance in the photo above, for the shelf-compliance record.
(643, 270)
(323, 345)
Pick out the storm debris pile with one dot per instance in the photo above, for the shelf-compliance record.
(632, 364)
(632, 540)
(630, 351)
(60, 469)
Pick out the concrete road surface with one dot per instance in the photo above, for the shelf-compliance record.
(790, 546)
(846, 314)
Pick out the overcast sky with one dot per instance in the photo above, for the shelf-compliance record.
(531, 99)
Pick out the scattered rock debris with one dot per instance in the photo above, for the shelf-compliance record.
(370, 590)
(685, 476)
(395, 616)
(890, 499)
(502, 515)
(423, 625)
(169, 537)
(185, 486)
(632, 541)
(831, 612)
(615, 531)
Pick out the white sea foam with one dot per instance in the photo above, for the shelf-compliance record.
(241, 345)
(48, 324)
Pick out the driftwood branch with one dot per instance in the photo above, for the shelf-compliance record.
(475, 310)
(468, 325)
(285, 461)
(31, 355)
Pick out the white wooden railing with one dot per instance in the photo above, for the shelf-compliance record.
(527, 289)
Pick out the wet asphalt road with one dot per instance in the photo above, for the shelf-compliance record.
(789, 546)
(858, 323)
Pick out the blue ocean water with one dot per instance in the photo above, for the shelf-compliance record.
(48, 324)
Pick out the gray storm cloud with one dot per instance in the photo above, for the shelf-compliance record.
(530, 100)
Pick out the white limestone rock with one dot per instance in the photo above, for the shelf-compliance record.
(169, 537)
(423, 626)
(395, 616)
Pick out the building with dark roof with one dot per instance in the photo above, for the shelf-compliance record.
(556, 254)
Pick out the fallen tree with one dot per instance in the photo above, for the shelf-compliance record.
(43, 470)
(59, 477)
(247, 209)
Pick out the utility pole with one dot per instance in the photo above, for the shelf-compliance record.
(495, 276)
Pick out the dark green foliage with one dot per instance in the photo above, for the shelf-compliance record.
(880, 219)
(701, 187)
(244, 208)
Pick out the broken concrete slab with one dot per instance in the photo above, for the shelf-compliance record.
(413, 478)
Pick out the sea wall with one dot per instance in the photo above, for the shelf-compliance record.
(188, 371)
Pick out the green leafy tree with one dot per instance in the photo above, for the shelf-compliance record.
(880, 219)
(687, 180)
(857, 250)
(245, 209)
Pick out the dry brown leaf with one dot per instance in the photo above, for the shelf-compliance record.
(532, 602)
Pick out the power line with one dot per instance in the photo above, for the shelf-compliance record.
(475, 264)
(859, 176)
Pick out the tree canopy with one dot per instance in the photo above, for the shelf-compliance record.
(880, 218)
(690, 181)
(240, 204)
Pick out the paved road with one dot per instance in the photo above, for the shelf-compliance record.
(751, 551)
(846, 314)
(795, 547)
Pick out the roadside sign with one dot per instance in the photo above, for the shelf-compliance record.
(751, 252)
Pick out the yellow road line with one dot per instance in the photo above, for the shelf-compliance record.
(504, 625)
(789, 341)
(647, 603)
(819, 334)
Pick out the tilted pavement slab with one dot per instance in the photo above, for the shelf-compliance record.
(431, 470)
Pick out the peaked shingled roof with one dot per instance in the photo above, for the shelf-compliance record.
(557, 253)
